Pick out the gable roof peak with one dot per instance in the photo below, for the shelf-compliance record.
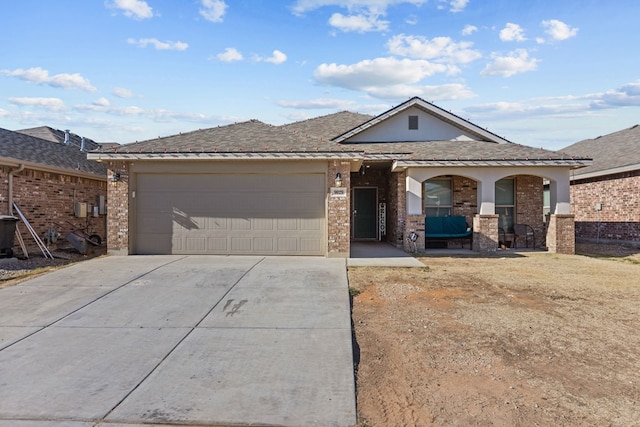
(429, 108)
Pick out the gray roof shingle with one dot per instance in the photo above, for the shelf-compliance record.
(25, 148)
(314, 135)
(57, 135)
(609, 152)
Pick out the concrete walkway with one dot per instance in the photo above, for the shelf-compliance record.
(195, 340)
(380, 254)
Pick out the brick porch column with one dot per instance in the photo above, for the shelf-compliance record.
(485, 233)
(118, 209)
(561, 234)
(338, 211)
(414, 223)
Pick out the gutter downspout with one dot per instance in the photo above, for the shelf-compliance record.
(19, 169)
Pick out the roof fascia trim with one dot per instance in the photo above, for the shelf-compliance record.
(225, 156)
(605, 172)
(7, 161)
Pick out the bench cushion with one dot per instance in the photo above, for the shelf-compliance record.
(446, 227)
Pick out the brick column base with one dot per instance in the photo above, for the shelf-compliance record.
(561, 234)
(485, 233)
(414, 223)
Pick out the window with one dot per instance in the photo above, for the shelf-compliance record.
(506, 203)
(413, 122)
(438, 199)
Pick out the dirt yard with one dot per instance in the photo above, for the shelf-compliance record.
(532, 340)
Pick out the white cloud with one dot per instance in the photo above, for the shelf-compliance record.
(512, 32)
(469, 29)
(121, 92)
(102, 102)
(458, 5)
(51, 104)
(516, 62)
(213, 10)
(277, 57)
(136, 9)
(625, 96)
(40, 76)
(379, 72)
(303, 6)
(558, 30)
(358, 23)
(441, 49)
(363, 15)
(3, 113)
(430, 92)
(320, 103)
(157, 44)
(230, 54)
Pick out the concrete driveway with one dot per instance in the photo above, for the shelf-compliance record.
(182, 340)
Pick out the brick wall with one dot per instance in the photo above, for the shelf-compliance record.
(465, 197)
(46, 198)
(529, 205)
(338, 212)
(396, 209)
(485, 233)
(619, 218)
(118, 210)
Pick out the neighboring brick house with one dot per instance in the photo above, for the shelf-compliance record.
(605, 196)
(46, 178)
(311, 187)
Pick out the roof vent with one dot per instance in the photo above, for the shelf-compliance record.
(82, 146)
(66, 137)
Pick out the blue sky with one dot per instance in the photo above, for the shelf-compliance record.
(543, 73)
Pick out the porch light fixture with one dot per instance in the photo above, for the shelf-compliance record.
(115, 177)
(338, 180)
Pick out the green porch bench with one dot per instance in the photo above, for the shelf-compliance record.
(445, 228)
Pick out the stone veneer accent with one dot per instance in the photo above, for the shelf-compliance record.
(46, 198)
(338, 212)
(619, 219)
(485, 233)
(561, 234)
(118, 210)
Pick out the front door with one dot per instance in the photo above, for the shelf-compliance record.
(365, 215)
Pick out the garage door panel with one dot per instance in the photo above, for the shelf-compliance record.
(227, 214)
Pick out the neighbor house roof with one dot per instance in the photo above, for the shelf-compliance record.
(613, 153)
(18, 148)
(57, 135)
(324, 137)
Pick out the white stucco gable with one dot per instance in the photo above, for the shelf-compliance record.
(417, 120)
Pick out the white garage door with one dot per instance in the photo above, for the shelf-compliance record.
(230, 214)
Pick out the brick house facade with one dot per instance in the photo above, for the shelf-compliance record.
(605, 197)
(371, 172)
(46, 180)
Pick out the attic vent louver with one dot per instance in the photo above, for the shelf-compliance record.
(413, 122)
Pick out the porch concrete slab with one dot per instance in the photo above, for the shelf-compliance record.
(78, 374)
(294, 377)
(380, 254)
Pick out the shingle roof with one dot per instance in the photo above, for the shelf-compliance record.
(329, 126)
(315, 136)
(249, 136)
(57, 135)
(612, 152)
(25, 148)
